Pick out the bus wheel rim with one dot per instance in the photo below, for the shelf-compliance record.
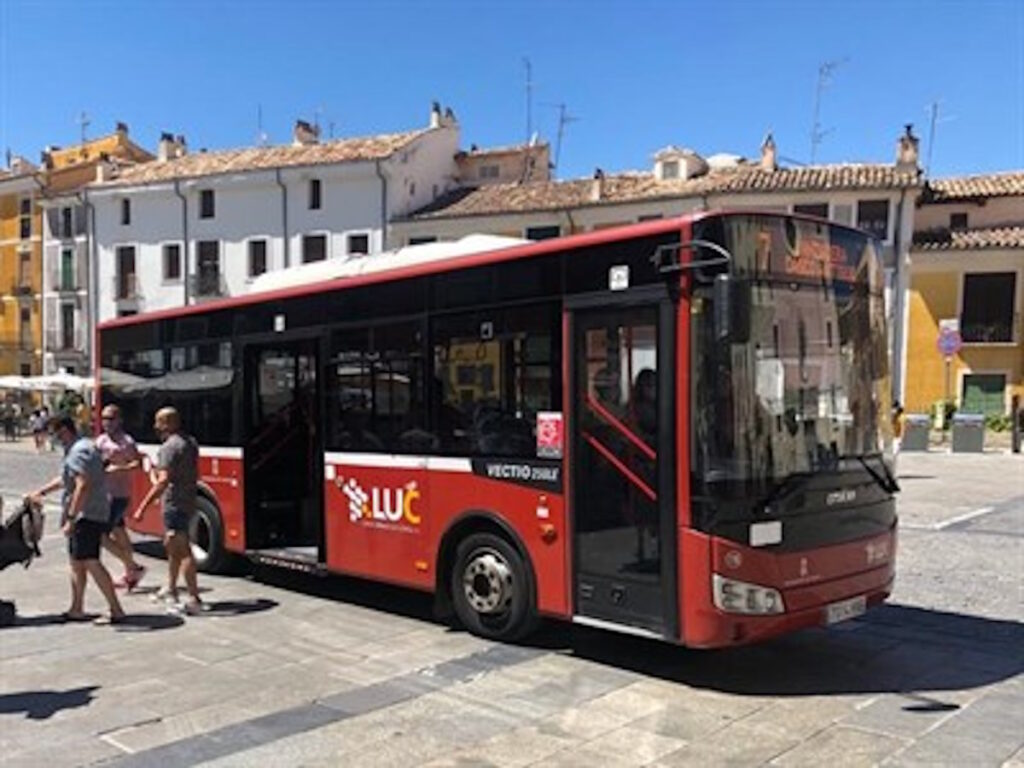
(487, 583)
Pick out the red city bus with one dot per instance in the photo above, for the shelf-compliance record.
(677, 429)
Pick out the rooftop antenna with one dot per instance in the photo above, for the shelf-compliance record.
(330, 129)
(825, 70)
(261, 135)
(83, 123)
(317, 114)
(529, 98)
(564, 118)
(933, 110)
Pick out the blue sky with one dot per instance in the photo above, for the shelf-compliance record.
(638, 75)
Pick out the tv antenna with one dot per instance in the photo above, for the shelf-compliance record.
(83, 124)
(933, 110)
(529, 98)
(261, 135)
(825, 70)
(564, 118)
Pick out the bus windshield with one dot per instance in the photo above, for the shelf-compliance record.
(806, 388)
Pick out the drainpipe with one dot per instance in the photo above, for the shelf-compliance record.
(898, 334)
(284, 217)
(383, 206)
(184, 240)
(93, 289)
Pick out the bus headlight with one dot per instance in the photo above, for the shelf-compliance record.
(733, 596)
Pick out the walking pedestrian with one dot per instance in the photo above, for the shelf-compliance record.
(84, 517)
(175, 482)
(120, 457)
(38, 422)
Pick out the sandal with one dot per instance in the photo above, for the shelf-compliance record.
(74, 618)
(108, 621)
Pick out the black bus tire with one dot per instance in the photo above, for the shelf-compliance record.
(206, 534)
(492, 588)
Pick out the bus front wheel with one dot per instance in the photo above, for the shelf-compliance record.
(206, 533)
(491, 588)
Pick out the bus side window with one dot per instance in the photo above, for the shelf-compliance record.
(493, 371)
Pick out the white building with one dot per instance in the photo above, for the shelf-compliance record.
(189, 227)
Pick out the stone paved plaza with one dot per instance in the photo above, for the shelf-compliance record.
(290, 670)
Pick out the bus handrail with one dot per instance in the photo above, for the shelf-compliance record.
(621, 428)
(622, 468)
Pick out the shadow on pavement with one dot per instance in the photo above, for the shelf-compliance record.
(148, 622)
(893, 649)
(42, 705)
(238, 607)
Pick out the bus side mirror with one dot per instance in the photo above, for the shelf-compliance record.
(732, 299)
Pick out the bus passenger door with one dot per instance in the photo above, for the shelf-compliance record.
(283, 465)
(623, 509)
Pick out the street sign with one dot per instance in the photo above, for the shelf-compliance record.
(949, 342)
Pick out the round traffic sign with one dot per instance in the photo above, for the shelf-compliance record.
(949, 342)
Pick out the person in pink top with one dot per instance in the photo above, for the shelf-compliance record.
(120, 457)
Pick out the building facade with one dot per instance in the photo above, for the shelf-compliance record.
(967, 270)
(877, 197)
(20, 270)
(188, 227)
(68, 276)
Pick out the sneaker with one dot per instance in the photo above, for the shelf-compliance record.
(195, 607)
(165, 595)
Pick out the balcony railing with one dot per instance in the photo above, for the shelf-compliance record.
(18, 341)
(63, 274)
(65, 339)
(126, 288)
(208, 285)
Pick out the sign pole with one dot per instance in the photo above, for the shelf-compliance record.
(945, 398)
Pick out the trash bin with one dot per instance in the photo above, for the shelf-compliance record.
(915, 432)
(968, 432)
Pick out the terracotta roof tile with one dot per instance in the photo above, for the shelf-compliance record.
(264, 158)
(969, 239)
(982, 185)
(638, 186)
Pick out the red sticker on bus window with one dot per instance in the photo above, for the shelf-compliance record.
(550, 434)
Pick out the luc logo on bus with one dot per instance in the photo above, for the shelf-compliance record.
(383, 505)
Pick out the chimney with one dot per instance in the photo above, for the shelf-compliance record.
(768, 156)
(597, 186)
(181, 148)
(121, 129)
(165, 147)
(305, 134)
(104, 169)
(449, 120)
(435, 114)
(907, 154)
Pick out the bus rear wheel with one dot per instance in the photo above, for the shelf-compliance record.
(206, 534)
(491, 588)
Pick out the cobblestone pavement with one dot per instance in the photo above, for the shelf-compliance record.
(289, 670)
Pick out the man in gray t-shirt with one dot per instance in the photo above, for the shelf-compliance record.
(85, 516)
(175, 482)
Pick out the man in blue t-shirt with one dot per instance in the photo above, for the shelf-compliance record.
(85, 517)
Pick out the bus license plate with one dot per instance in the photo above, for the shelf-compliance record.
(845, 609)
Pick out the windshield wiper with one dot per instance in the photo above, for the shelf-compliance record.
(885, 480)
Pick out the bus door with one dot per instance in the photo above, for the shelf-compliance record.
(283, 459)
(622, 478)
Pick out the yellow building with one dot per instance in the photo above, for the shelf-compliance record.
(26, 191)
(20, 270)
(967, 271)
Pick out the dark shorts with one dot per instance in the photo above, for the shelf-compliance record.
(118, 507)
(176, 520)
(84, 541)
